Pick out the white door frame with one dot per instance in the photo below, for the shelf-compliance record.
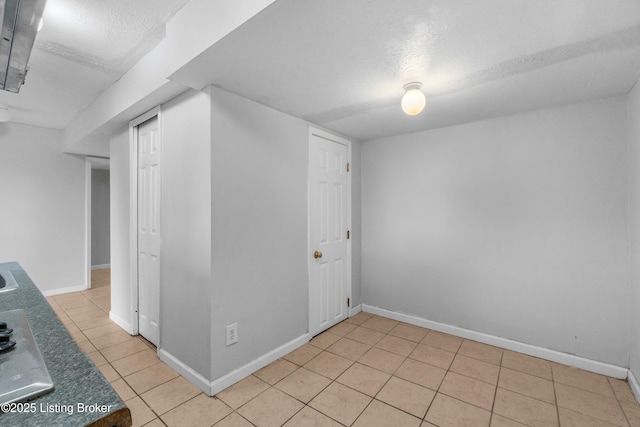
(133, 211)
(326, 135)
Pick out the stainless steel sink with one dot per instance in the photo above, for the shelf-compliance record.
(7, 281)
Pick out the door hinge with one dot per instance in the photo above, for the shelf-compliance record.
(348, 302)
(348, 234)
(348, 166)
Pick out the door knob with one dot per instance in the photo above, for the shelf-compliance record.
(317, 254)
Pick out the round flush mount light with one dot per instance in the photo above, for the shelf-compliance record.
(413, 100)
(4, 114)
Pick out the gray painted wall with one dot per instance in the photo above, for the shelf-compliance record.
(42, 219)
(259, 229)
(185, 276)
(100, 218)
(634, 224)
(515, 227)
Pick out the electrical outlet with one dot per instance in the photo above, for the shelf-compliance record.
(232, 334)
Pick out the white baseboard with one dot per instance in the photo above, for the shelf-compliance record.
(540, 352)
(233, 377)
(355, 310)
(121, 322)
(192, 376)
(633, 383)
(64, 290)
(214, 387)
(101, 266)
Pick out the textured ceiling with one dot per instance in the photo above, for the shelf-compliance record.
(342, 64)
(83, 48)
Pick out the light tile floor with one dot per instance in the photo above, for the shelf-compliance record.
(366, 371)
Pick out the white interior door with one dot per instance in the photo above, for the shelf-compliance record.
(328, 216)
(149, 230)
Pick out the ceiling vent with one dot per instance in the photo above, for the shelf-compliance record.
(20, 19)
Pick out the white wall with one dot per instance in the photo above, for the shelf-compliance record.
(121, 304)
(42, 219)
(634, 224)
(259, 229)
(514, 227)
(100, 222)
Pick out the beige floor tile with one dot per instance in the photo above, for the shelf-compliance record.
(526, 384)
(150, 377)
(468, 390)
(303, 354)
(89, 308)
(426, 424)
(475, 368)
(101, 330)
(342, 328)
(350, 349)
(406, 396)
(421, 373)
(442, 341)
(309, 417)
(242, 391)
(588, 403)
(433, 356)
(380, 324)
(109, 373)
(113, 338)
(324, 340)
(86, 346)
(525, 410)
(379, 414)
(94, 323)
(363, 378)
(340, 403)
(359, 318)
(140, 412)
(328, 364)
(155, 423)
(527, 364)
(365, 335)
(197, 412)
(124, 349)
(93, 314)
(122, 388)
(446, 411)
(632, 411)
(276, 371)
(136, 362)
(170, 395)
(500, 421)
(97, 358)
(582, 379)
(234, 420)
(270, 409)
(570, 418)
(73, 301)
(480, 351)
(78, 336)
(382, 360)
(396, 345)
(409, 332)
(303, 384)
(622, 390)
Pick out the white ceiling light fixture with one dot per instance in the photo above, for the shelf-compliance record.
(413, 100)
(4, 114)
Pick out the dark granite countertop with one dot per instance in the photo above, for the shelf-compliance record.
(76, 379)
